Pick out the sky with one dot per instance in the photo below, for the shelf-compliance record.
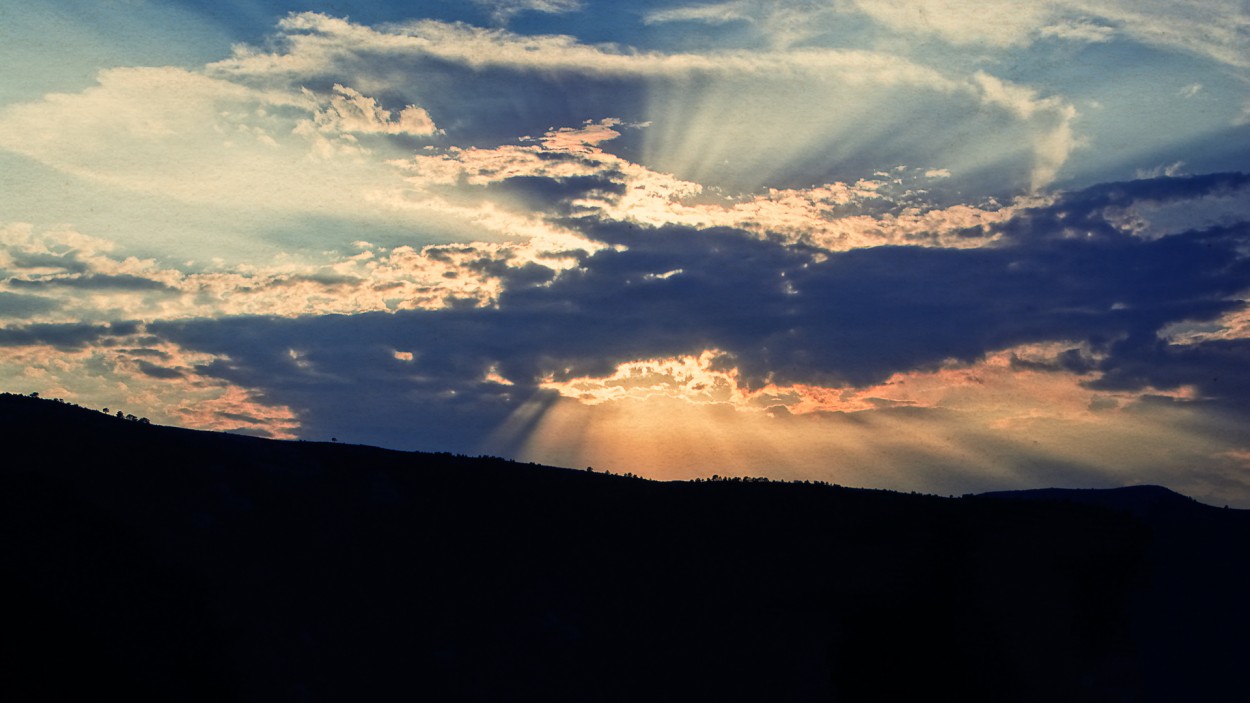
(926, 245)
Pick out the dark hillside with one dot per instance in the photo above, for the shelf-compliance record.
(170, 564)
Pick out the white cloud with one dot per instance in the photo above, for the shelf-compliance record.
(713, 13)
(201, 139)
(504, 10)
(1082, 31)
(782, 23)
(993, 23)
(1055, 139)
(310, 44)
(1168, 170)
(708, 107)
(249, 135)
(349, 111)
(1218, 30)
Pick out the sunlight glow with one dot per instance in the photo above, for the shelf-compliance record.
(997, 420)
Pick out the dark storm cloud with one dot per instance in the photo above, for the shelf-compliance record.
(326, 280)
(1218, 369)
(16, 305)
(66, 336)
(100, 282)
(153, 370)
(1071, 361)
(341, 371)
(785, 314)
(876, 311)
(1087, 203)
(145, 352)
(66, 262)
(555, 194)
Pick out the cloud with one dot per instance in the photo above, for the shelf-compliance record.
(66, 336)
(504, 10)
(1056, 139)
(310, 44)
(576, 249)
(576, 177)
(784, 310)
(1166, 204)
(78, 278)
(1214, 30)
(14, 305)
(1232, 325)
(538, 191)
(349, 111)
(811, 328)
(712, 13)
(715, 118)
(972, 338)
(314, 123)
(780, 25)
(209, 142)
(123, 368)
(840, 217)
(994, 23)
(1081, 31)
(1172, 169)
(712, 377)
(91, 283)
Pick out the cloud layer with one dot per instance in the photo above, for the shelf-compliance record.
(923, 244)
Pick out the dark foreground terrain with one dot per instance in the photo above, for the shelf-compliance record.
(167, 565)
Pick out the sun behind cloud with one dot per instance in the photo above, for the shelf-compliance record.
(920, 244)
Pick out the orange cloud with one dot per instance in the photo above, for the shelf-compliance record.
(144, 377)
(1005, 387)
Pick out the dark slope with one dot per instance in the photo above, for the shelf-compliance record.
(180, 565)
(1143, 501)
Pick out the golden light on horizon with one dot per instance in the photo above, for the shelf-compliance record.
(686, 417)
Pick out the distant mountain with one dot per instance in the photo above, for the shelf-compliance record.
(175, 565)
(1144, 501)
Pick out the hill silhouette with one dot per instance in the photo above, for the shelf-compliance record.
(172, 564)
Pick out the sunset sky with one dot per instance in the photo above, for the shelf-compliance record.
(934, 245)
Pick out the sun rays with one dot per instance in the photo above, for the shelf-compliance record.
(807, 240)
(946, 431)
